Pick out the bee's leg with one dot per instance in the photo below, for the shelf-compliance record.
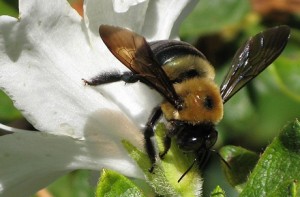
(167, 146)
(110, 77)
(149, 132)
(168, 138)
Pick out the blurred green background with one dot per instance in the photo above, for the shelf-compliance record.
(254, 116)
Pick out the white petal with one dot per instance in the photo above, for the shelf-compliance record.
(30, 161)
(156, 20)
(33, 58)
(44, 55)
(97, 12)
(123, 6)
(164, 17)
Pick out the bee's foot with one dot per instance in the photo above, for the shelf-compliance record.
(151, 169)
(162, 155)
(86, 82)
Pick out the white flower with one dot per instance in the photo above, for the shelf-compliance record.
(44, 54)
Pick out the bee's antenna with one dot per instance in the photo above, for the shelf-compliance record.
(224, 161)
(202, 162)
(187, 170)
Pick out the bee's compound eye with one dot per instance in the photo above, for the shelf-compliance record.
(211, 138)
(189, 143)
(186, 138)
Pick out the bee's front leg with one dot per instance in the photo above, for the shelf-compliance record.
(110, 77)
(149, 132)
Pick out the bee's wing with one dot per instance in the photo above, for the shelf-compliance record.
(135, 53)
(253, 57)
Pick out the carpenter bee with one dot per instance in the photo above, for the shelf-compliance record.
(193, 102)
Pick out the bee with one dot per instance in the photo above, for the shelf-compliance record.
(193, 103)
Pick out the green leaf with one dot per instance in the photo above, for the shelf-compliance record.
(241, 162)
(175, 163)
(75, 184)
(218, 192)
(156, 180)
(286, 73)
(286, 188)
(213, 15)
(164, 179)
(8, 8)
(7, 111)
(279, 166)
(114, 184)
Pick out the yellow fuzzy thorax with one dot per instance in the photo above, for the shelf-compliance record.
(202, 102)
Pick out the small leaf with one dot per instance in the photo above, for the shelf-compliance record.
(295, 189)
(7, 110)
(156, 180)
(175, 163)
(164, 179)
(218, 192)
(8, 8)
(114, 184)
(241, 162)
(278, 167)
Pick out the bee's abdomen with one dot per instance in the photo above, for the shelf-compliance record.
(181, 61)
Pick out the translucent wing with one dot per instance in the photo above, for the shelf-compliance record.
(135, 53)
(253, 57)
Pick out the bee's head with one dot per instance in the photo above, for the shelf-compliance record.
(196, 137)
(202, 102)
